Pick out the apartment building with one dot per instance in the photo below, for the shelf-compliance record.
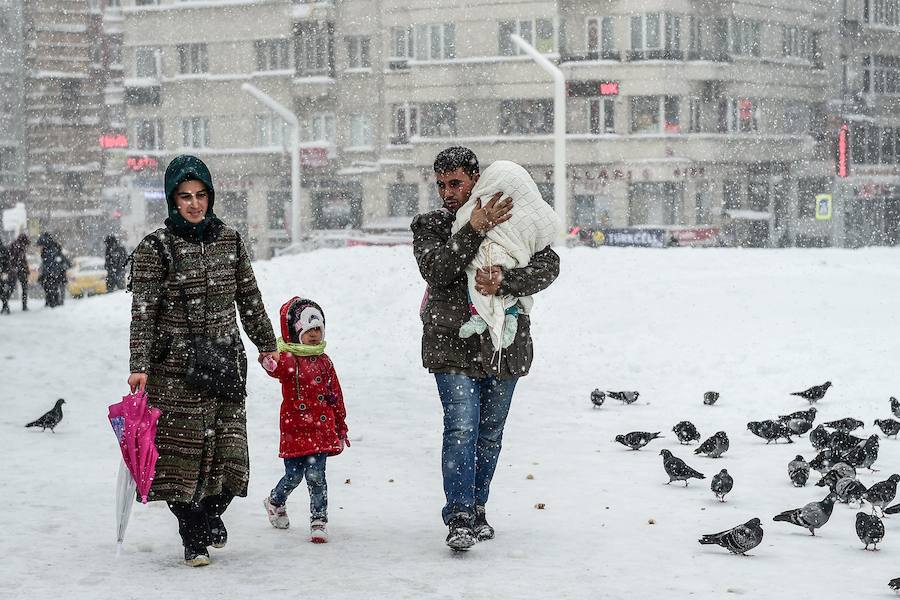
(684, 115)
(12, 131)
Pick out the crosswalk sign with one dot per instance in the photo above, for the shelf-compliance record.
(823, 207)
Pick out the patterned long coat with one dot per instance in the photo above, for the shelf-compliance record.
(202, 439)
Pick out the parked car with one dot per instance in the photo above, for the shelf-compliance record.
(87, 276)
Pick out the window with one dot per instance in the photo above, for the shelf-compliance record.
(655, 35)
(539, 33)
(881, 75)
(192, 58)
(148, 134)
(358, 52)
(277, 208)
(602, 115)
(797, 42)
(360, 131)
(5, 28)
(758, 195)
(322, 128)
(402, 44)
(526, 117)
(273, 55)
(655, 114)
(737, 115)
(708, 39)
(731, 194)
(405, 123)
(873, 144)
(7, 165)
(195, 132)
(315, 48)
(403, 199)
(797, 117)
(272, 130)
(744, 37)
(437, 119)
(653, 203)
(885, 13)
(435, 42)
(146, 2)
(146, 62)
(695, 121)
(600, 37)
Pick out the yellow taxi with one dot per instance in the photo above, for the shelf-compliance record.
(87, 276)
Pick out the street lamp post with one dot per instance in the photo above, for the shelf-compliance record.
(292, 120)
(560, 200)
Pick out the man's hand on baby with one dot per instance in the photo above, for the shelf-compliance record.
(488, 280)
(496, 211)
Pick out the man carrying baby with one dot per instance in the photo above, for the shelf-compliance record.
(475, 380)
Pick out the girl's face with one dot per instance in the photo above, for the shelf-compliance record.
(311, 337)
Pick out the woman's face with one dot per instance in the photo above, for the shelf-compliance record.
(192, 200)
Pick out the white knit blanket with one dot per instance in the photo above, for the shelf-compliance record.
(533, 226)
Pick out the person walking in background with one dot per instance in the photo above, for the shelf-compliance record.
(186, 351)
(474, 382)
(7, 279)
(54, 265)
(114, 263)
(313, 416)
(18, 264)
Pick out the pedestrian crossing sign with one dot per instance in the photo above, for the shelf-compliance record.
(823, 207)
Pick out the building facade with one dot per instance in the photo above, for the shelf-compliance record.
(682, 115)
(12, 105)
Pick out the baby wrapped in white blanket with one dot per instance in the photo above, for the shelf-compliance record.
(533, 225)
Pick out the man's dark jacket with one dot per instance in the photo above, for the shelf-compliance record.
(442, 260)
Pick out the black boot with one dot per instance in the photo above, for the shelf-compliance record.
(461, 536)
(214, 506)
(194, 531)
(483, 530)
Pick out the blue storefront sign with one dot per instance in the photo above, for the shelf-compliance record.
(645, 238)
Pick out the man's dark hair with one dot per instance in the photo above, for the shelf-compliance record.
(456, 157)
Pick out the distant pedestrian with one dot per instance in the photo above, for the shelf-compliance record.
(54, 265)
(18, 265)
(7, 279)
(115, 264)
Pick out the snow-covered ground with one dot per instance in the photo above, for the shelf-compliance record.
(674, 323)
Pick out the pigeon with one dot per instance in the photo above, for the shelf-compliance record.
(823, 461)
(812, 516)
(855, 457)
(819, 438)
(869, 529)
(806, 415)
(894, 584)
(709, 398)
(637, 439)
(770, 431)
(846, 425)
(597, 398)
(677, 469)
(843, 469)
(686, 432)
(888, 427)
(895, 407)
(626, 397)
(841, 441)
(49, 419)
(847, 489)
(714, 446)
(799, 426)
(870, 453)
(882, 493)
(798, 471)
(815, 393)
(721, 484)
(738, 540)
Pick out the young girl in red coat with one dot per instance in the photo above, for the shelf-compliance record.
(312, 413)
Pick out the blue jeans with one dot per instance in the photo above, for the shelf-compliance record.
(313, 467)
(474, 415)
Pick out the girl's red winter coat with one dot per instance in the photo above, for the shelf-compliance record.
(312, 407)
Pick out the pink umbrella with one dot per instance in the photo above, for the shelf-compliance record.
(135, 427)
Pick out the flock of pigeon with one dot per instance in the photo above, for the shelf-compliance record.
(840, 455)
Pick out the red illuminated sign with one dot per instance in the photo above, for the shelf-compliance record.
(141, 163)
(843, 162)
(609, 88)
(110, 140)
(592, 88)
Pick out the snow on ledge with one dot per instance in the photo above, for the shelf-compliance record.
(194, 4)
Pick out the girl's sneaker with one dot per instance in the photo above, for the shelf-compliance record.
(318, 532)
(278, 516)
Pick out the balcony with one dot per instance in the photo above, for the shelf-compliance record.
(613, 55)
(637, 55)
(142, 91)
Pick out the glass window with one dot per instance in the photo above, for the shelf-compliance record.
(435, 41)
(403, 199)
(885, 13)
(437, 119)
(405, 123)
(540, 33)
(655, 114)
(731, 194)
(148, 134)
(744, 36)
(195, 132)
(358, 52)
(315, 48)
(322, 127)
(526, 117)
(737, 115)
(272, 55)
(146, 62)
(272, 130)
(360, 130)
(602, 115)
(192, 58)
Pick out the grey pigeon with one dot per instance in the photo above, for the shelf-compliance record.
(721, 484)
(597, 398)
(798, 471)
(710, 398)
(714, 446)
(895, 407)
(888, 427)
(847, 489)
(686, 432)
(806, 415)
(49, 419)
(846, 424)
(841, 441)
(771, 431)
(819, 438)
(738, 540)
(823, 461)
(815, 393)
(843, 469)
(870, 453)
(626, 397)
(799, 426)
(869, 529)
(677, 469)
(882, 493)
(894, 584)
(812, 516)
(637, 439)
